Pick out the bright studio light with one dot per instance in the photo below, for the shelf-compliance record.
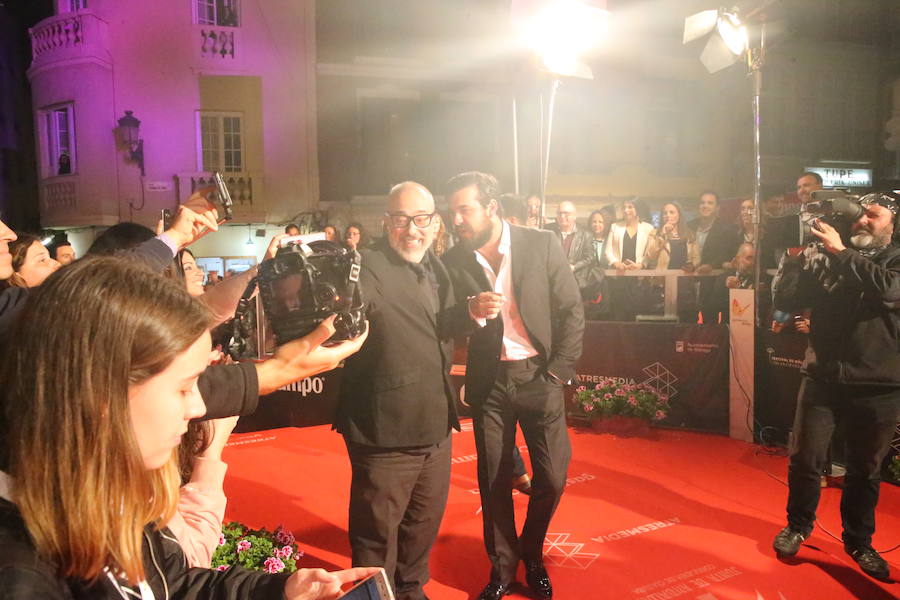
(560, 32)
(728, 42)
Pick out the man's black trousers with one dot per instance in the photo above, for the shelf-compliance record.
(520, 394)
(869, 415)
(397, 500)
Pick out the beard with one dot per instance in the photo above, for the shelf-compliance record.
(866, 239)
(478, 239)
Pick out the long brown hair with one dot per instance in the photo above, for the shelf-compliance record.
(19, 250)
(87, 334)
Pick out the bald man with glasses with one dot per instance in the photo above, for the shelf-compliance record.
(397, 405)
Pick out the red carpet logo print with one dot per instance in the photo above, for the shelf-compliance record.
(560, 552)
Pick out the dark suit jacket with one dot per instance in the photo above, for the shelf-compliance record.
(548, 300)
(582, 257)
(721, 243)
(396, 391)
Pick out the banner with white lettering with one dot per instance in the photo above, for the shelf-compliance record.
(689, 363)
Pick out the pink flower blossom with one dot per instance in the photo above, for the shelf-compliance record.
(299, 555)
(284, 552)
(273, 565)
(588, 406)
(607, 396)
(222, 567)
(243, 545)
(284, 537)
(580, 388)
(632, 400)
(598, 387)
(221, 539)
(620, 392)
(660, 415)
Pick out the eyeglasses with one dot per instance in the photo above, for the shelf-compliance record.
(400, 221)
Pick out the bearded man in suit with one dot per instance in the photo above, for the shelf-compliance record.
(523, 296)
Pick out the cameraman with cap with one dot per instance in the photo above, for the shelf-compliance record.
(851, 372)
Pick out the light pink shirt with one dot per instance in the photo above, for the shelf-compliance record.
(516, 344)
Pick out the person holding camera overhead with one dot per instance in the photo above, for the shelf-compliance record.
(396, 404)
(851, 372)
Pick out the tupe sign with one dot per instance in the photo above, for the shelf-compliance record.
(843, 176)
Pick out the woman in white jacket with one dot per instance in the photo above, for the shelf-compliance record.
(626, 246)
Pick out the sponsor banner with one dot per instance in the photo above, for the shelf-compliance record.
(778, 360)
(689, 363)
(310, 401)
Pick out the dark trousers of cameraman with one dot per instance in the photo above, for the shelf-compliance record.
(869, 415)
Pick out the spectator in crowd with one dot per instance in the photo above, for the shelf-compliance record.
(62, 252)
(292, 230)
(355, 237)
(7, 236)
(31, 262)
(674, 246)
(808, 183)
(443, 241)
(597, 223)
(626, 249)
(851, 372)
(745, 222)
(597, 297)
(774, 206)
(331, 233)
(212, 278)
(515, 211)
(577, 245)
(108, 352)
(628, 239)
(534, 212)
(717, 244)
(740, 275)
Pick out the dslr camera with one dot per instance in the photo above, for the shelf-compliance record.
(835, 207)
(303, 285)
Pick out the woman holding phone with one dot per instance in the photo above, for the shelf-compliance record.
(97, 391)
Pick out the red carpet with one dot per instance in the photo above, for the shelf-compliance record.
(681, 515)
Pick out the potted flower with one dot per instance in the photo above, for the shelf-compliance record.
(618, 407)
(257, 549)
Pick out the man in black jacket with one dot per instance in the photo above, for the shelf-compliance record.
(718, 243)
(522, 292)
(396, 405)
(851, 372)
(578, 246)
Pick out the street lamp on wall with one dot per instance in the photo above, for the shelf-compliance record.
(130, 130)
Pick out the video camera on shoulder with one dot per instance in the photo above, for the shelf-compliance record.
(304, 284)
(834, 207)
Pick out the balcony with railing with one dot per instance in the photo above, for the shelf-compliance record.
(59, 195)
(68, 36)
(218, 46)
(246, 191)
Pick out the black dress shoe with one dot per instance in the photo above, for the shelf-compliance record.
(788, 541)
(869, 561)
(537, 579)
(494, 591)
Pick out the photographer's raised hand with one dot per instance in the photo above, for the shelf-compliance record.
(830, 237)
(305, 357)
(194, 219)
(274, 243)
